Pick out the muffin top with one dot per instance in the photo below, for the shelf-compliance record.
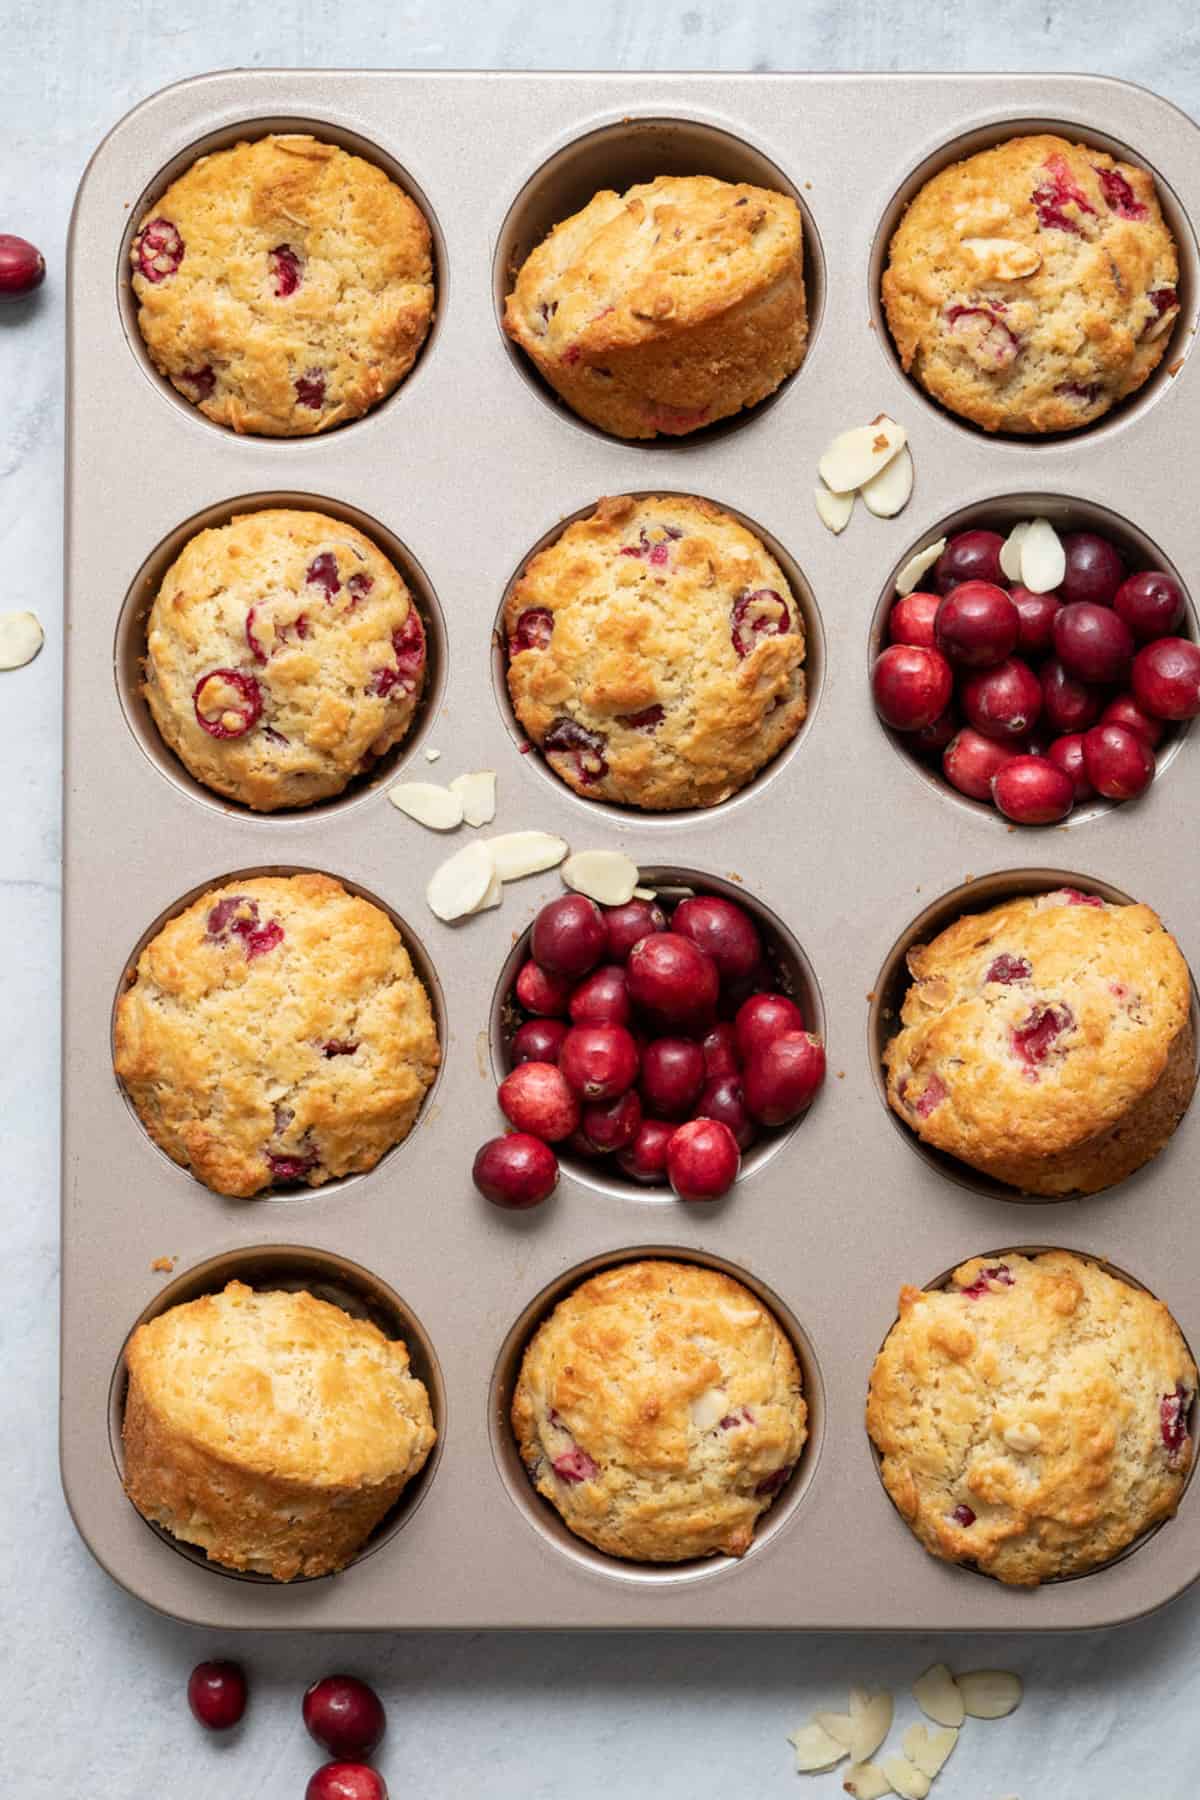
(656, 653)
(659, 1409)
(1032, 1416)
(1033, 1026)
(284, 653)
(274, 1031)
(284, 1385)
(284, 286)
(1032, 286)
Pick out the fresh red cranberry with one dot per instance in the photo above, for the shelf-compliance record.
(310, 389)
(1092, 643)
(1034, 1039)
(702, 1160)
(725, 1099)
(763, 613)
(782, 1079)
(1006, 969)
(646, 1158)
(1166, 678)
(22, 267)
(1005, 702)
(912, 686)
(1094, 571)
(1035, 620)
(202, 381)
(346, 1781)
(1055, 193)
(1173, 1421)
(227, 703)
(763, 1018)
(1066, 753)
(911, 620)
(538, 1040)
(292, 1168)
(1124, 710)
(1068, 705)
(344, 1716)
(672, 979)
(159, 250)
(971, 760)
(1031, 790)
(575, 1465)
(721, 1055)
(723, 931)
(988, 1280)
(541, 992)
(533, 630)
(612, 1124)
(602, 998)
(932, 740)
(1151, 603)
(969, 556)
(627, 924)
(322, 572)
(567, 737)
(962, 1515)
(672, 1076)
(515, 1171)
(599, 1061)
(976, 625)
(535, 1098)
(569, 935)
(286, 270)
(216, 1693)
(1119, 194)
(1119, 762)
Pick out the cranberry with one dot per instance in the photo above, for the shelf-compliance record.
(1092, 643)
(1163, 300)
(962, 1515)
(971, 761)
(322, 572)
(672, 979)
(989, 342)
(575, 1465)
(912, 686)
(672, 1076)
(771, 1484)
(763, 613)
(649, 719)
(22, 267)
(612, 1124)
(584, 747)
(911, 620)
(569, 935)
(988, 1280)
(602, 998)
(1031, 790)
(721, 1056)
(1067, 704)
(781, 1080)
(702, 1160)
(538, 1040)
(344, 1716)
(202, 382)
(1166, 678)
(216, 1693)
(1119, 762)
(1058, 191)
(359, 586)
(227, 703)
(1073, 897)
(1119, 194)
(346, 1781)
(1151, 603)
(541, 992)
(969, 556)
(1066, 753)
(931, 740)
(627, 924)
(338, 1047)
(976, 625)
(1004, 702)
(646, 1158)
(533, 631)
(1094, 569)
(599, 1061)
(930, 1097)
(725, 1099)
(1124, 710)
(286, 270)
(408, 644)
(723, 931)
(292, 1168)
(1035, 620)
(535, 1098)
(763, 1018)
(1034, 1039)
(159, 250)
(515, 1171)
(1173, 1420)
(1006, 969)
(310, 388)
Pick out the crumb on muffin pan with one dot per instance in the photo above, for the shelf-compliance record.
(614, 1412)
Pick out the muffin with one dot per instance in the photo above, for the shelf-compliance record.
(272, 1429)
(1046, 1042)
(284, 654)
(283, 286)
(274, 1031)
(656, 654)
(1032, 286)
(1032, 1417)
(659, 1411)
(669, 306)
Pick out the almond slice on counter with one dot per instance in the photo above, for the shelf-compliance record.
(428, 803)
(910, 575)
(1010, 550)
(516, 854)
(864, 1781)
(493, 896)
(605, 876)
(855, 456)
(21, 637)
(936, 1693)
(889, 492)
(990, 1693)
(815, 1749)
(1004, 258)
(1043, 559)
(833, 510)
(928, 1750)
(477, 795)
(460, 884)
(907, 1780)
(871, 1715)
(838, 1725)
(432, 755)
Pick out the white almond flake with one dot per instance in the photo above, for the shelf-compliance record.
(458, 885)
(428, 803)
(493, 896)
(907, 1781)
(889, 492)
(432, 755)
(928, 1750)
(640, 893)
(21, 637)
(936, 1693)
(815, 1749)
(866, 1781)
(833, 510)
(1161, 324)
(990, 1693)
(872, 1716)
(707, 1409)
(1004, 258)
(1010, 550)
(606, 876)
(855, 456)
(520, 853)
(477, 792)
(1023, 1437)
(838, 1725)
(916, 566)
(1043, 559)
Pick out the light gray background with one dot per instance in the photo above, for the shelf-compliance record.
(94, 1689)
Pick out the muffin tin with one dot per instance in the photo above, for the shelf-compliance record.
(459, 475)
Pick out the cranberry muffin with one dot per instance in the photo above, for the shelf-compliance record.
(283, 286)
(274, 1032)
(1032, 286)
(1047, 1042)
(664, 308)
(284, 654)
(1032, 1416)
(656, 654)
(659, 1411)
(271, 1429)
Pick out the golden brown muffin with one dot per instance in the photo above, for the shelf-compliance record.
(284, 655)
(274, 1031)
(284, 286)
(664, 308)
(659, 1410)
(1047, 1042)
(1031, 287)
(272, 1429)
(1032, 1417)
(656, 654)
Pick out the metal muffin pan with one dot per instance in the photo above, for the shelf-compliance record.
(465, 469)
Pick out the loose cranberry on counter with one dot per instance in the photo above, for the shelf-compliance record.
(1005, 702)
(721, 1056)
(599, 1061)
(646, 1158)
(1067, 704)
(344, 1716)
(723, 931)
(1166, 678)
(538, 1040)
(540, 992)
(1124, 710)
(569, 935)
(1094, 569)
(535, 1098)
(610, 1125)
(602, 998)
(1035, 613)
(725, 1099)
(702, 1160)
(911, 620)
(1151, 604)
(627, 925)
(1066, 753)
(216, 1693)
(1031, 790)
(763, 1018)
(782, 1079)
(346, 1781)
(22, 267)
(1093, 644)
(912, 686)
(515, 1171)
(672, 1076)
(1119, 762)
(670, 978)
(977, 625)
(971, 760)
(969, 556)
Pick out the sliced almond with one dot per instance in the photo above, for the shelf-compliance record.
(477, 793)
(838, 1725)
(493, 897)
(936, 1693)
(516, 854)
(1023, 1437)
(1004, 258)
(707, 1409)
(865, 1781)
(432, 755)
(872, 1716)
(833, 510)
(460, 884)
(641, 893)
(1043, 559)
(990, 1693)
(916, 566)
(1162, 323)
(855, 456)
(815, 1749)
(928, 1750)
(21, 637)
(428, 803)
(606, 876)
(889, 492)
(1010, 550)
(906, 1779)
